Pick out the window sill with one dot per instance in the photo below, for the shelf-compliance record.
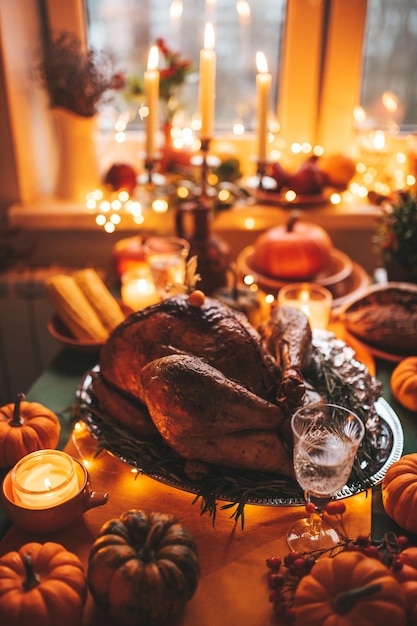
(54, 214)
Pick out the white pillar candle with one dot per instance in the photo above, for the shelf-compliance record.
(138, 288)
(263, 88)
(151, 78)
(44, 479)
(207, 90)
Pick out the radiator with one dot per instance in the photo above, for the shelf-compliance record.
(26, 346)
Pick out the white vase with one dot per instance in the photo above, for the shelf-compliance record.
(77, 167)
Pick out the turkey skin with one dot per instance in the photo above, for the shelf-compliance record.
(205, 416)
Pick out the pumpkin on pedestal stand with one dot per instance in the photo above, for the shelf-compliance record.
(297, 250)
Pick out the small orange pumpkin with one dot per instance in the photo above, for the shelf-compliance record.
(26, 427)
(350, 589)
(407, 576)
(399, 492)
(42, 584)
(404, 383)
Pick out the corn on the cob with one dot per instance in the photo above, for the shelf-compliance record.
(99, 297)
(74, 309)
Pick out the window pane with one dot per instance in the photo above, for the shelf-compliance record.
(390, 55)
(127, 28)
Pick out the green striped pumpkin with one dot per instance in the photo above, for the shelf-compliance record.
(143, 568)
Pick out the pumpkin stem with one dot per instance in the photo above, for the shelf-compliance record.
(32, 579)
(294, 216)
(346, 600)
(16, 419)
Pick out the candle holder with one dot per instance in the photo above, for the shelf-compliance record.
(205, 146)
(261, 182)
(51, 518)
(315, 301)
(151, 177)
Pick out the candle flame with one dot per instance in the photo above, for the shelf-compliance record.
(209, 36)
(390, 101)
(261, 62)
(175, 10)
(243, 9)
(47, 483)
(359, 114)
(153, 58)
(379, 140)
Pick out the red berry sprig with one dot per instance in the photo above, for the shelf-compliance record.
(284, 574)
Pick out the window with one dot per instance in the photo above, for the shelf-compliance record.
(128, 28)
(389, 97)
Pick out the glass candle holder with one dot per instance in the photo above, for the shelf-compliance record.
(138, 288)
(166, 257)
(312, 299)
(43, 479)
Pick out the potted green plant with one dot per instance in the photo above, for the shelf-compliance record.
(76, 79)
(396, 236)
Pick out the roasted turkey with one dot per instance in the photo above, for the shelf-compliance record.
(213, 387)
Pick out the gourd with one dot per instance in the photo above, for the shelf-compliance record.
(404, 383)
(399, 492)
(349, 589)
(407, 576)
(42, 585)
(297, 250)
(26, 427)
(143, 568)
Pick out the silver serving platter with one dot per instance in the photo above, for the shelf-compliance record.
(390, 441)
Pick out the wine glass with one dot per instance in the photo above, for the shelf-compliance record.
(326, 439)
(166, 257)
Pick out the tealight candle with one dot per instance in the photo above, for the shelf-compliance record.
(313, 300)
(45, 478)
(138, 288)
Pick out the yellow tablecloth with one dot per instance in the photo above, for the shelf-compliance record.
(233, 588)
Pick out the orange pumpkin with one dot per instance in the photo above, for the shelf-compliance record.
(404, 383)
(350, 589)
(399, 492)
(407, 576)
(26, 427)
(295, 251)
(41, 584)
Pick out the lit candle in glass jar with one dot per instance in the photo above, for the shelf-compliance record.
(45, 478)
(138, 288)
(313, 300)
